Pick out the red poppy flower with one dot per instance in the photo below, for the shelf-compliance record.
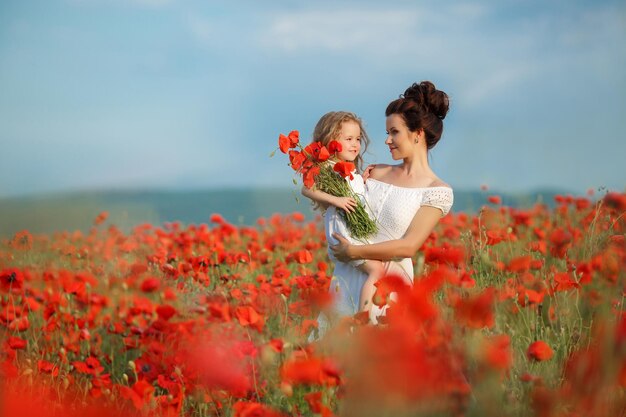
(387, 285)
(283, 143)
(217, 218)
(334, 147)
(308, 177)
(476, 312)
(310, 370)
(316, 404)
(317, 152)
(90, 366)
(312, 149)
(539, 351)
(615, 200)
(344, 169)
(445, 255)
(323, 154)
(498, 353)
(165, 311)
(297, 216)
(306, 165)
(495, 236)
(529, 296)
(46, 367)
(277, 344)
(617, 240)
(538, 246)
(294, 138)
(296, 159)
(520, 264)
(20, 324)
(561, 241)
(101, 218)
(248, 316)
(287, 142)
(11, 279)
(15, 342)
(418, 300)
(303, 257)
(139, 394)
(564, 281)
(22, 240)
(494, 199)
(582, 203)
(219, 365)
(150, 285)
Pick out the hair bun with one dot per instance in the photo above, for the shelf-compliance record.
(426, 95)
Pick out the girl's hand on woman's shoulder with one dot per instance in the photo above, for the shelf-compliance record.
(375, 171)
(366, 172)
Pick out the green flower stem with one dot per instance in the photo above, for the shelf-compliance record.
(359, 223)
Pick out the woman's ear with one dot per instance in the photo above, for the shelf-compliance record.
(418, 135)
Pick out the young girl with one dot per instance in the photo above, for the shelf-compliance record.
(345, 128)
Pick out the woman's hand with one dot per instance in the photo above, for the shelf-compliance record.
(367, 171)
(341, 249)
(345, 203)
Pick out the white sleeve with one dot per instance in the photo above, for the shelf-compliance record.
(439, 197)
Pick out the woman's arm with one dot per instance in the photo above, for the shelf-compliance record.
(325, 199)
(420, 228)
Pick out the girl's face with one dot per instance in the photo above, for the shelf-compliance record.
(400, 139)
(350, 140)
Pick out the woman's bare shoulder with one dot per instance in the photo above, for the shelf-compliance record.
(380, 170)
(439, 183)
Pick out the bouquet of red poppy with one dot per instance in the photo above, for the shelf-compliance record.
(318, 171)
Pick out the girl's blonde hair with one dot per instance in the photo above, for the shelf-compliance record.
(328, 128)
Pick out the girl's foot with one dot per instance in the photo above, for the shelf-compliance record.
(376, 312)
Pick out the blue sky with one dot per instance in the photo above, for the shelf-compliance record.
(102, 94)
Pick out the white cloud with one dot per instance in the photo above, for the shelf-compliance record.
(457, 41)
(215, 33)
(593, 26)
(202, 29)
(495, 62)
(468, 10)
(339, 30)
(498, 82)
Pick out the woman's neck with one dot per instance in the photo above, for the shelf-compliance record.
(416, 165)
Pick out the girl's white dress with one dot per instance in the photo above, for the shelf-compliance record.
(393, 208)
(334, 221)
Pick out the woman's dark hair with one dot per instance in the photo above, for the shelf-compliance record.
(422, 106)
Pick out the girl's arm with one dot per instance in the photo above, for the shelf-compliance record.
(420, 228)
(325, 199)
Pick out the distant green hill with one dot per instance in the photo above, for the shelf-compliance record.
(49, 213)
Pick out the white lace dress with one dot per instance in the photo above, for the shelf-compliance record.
(393, 207)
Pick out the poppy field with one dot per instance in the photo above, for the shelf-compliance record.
(513, 312)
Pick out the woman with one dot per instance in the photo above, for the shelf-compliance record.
(407, 199)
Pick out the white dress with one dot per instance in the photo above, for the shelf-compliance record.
(393, 208)
(334, 221)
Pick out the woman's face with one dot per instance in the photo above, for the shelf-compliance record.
(400, 139)
(350, 140)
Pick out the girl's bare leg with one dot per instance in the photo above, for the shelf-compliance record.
(374, 271)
